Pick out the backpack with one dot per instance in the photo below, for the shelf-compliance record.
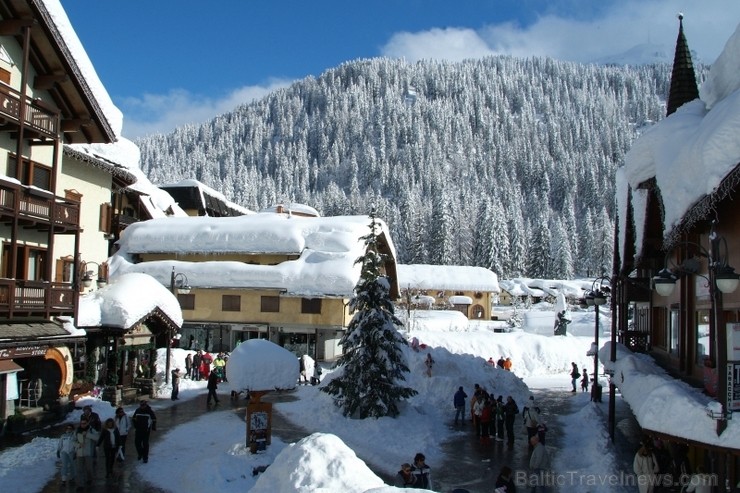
(577, 375)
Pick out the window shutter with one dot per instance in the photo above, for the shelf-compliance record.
(105, 217)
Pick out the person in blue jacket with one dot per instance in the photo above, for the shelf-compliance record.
(459, 402)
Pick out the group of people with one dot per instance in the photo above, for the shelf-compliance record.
(653, 462)
(77, 447)
(502, 363)
(492, 417)
(417, 475)
(575, 375)
(199, 366)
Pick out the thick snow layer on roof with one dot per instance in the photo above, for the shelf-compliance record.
(327, 248)
(127, 300)
(447, 277)
(654, 397)
(127, 154)
(258, 364)
(79, 55)
(692, 150)
(293, 207)
(205, 189)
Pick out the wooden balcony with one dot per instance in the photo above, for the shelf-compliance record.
(38, 208)
(21, 298)
(43, 121)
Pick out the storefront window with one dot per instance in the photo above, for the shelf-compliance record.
(673, 331)
(702, 336)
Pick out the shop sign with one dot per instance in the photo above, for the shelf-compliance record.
(733, 386)
(22, 352)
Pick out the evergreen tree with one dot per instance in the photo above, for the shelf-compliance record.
(373, 362)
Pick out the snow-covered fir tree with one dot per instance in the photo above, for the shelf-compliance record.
(373, 364)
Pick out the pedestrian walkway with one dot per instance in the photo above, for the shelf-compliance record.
(467, 464)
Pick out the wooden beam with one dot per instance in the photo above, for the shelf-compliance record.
(75, 124)
(12, 27)
(45, 82)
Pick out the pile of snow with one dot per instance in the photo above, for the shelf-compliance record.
(258, 364)
(319, 462)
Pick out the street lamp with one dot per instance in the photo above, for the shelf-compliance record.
(87, 276)
(596, 297)
(178, 285)
(721, 278)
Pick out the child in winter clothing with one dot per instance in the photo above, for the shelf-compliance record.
(66, 451)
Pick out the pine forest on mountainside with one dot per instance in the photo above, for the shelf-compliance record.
(503, 163)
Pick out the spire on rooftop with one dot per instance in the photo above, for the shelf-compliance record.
(683, 79)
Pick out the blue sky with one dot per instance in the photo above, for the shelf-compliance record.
(167, 63)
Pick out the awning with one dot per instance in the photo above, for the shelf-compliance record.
(9, 366)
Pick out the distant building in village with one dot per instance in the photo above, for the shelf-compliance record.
(278, 276)
(469, 290)
(198, 199)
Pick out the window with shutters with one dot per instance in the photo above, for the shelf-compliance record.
(31, 173)
(231, 303)
(311, 305)
(270, 304)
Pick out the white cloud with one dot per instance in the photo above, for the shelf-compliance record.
(707, 25)
(162, 113)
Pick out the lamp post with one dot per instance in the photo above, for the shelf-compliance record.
(596, 297)
(721, 278)
(87, 275)
(178, 285)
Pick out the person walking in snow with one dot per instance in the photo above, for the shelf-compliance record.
(459, 403)
(584, 381)
(87, 440)
(539, 463)
(645, 466)
(510, 412)
(531, 415)
(212, 387)
(405, 478)
(66, 452)
(188, 365)
(175, 384)
(429, 362)
(123, 423)
(145, 421)
(574, 375)
(422, 471)
(196, 365)
(110, 439)
(508, 364)
(504, 481)
(500, 418)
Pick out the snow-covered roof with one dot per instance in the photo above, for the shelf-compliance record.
(447, 277)
(522, 286)
(461, 300)
(692, 150)
(326, 250)
(126, 154)
(655, 397)
(206, 190)
(292, 207)
(125, 301)
(82, 64)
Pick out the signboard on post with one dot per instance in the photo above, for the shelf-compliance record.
(733, 386)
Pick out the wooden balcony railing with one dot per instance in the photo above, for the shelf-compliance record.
(38, 206)
(20, 298)
(36, 116)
